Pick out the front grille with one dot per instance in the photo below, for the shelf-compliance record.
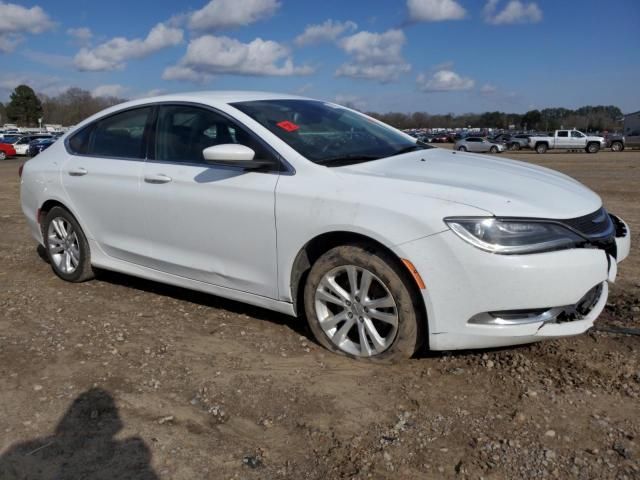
(621, 228)
(595, 225)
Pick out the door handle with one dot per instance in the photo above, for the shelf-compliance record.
(157, 179)
(78, 172)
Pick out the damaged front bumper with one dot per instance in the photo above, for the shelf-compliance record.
(479, 300)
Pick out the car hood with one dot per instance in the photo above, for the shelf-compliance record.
(500, 186)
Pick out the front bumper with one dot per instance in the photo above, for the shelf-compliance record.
(464, 283)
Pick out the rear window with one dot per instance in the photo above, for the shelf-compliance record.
(78, 143)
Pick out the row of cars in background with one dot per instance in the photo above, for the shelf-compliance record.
(539, 142)
(14, 144)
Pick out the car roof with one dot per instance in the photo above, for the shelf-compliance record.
(211, 97)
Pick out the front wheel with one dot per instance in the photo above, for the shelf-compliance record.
(515, 147)
(67, 247)
(3, 155)
(493, 149)
(593, 148)
(359, 303)
(462, 149)
(617, 147)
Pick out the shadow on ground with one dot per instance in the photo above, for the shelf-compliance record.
(81, 447)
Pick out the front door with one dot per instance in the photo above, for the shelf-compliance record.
(209, 223)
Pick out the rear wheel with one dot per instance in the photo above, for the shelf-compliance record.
(493, 149)
(593, 148)
(3, 155)
(67, 247)
(515, 146)
(359, 303)
(617, 147)
(462, 149)
(541, 148)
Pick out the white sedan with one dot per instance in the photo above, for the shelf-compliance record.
(308, 208)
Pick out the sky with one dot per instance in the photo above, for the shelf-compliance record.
(437, 56)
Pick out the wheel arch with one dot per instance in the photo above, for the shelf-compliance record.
(324, 242)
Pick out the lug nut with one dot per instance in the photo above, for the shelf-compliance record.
(348, 303)
(350, 315)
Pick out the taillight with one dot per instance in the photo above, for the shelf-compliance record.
(20, 168)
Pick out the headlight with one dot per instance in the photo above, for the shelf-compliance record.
(513, 236)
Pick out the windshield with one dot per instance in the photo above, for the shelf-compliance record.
(326, 133)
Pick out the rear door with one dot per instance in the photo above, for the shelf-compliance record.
(209, 223)
(563, 140)
(101, 176)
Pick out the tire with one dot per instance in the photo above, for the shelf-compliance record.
(541, 148)
(593, 148)
(617, 147)
(3, 155)
(514, 147)
(334, 309)
(493, 150)
(462, 149)
(66, 246)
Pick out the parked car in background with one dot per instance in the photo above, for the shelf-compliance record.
(567, 140)
(22, 144)
(479, 145)
(6, 151)
(10, 138)
(274, 200)
(440, 138)
(518, 142)
(39, 145)
(618, 143)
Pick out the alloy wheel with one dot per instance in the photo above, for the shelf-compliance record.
(63, 245)
(356, 311)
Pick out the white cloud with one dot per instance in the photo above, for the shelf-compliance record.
(488, 89)
(49, 59)
(223, 14)
(82, 34)
(328, 31)
(435, 10)
(47, 84)
(375, 56)
(514, 12)
(444, 81)
(350, 101)
(111, 90)
(210, 55)
(113, 54)
(16, 20)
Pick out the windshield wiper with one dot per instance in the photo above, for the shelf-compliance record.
(346, 160)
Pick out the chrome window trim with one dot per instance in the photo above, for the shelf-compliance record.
(286, 167)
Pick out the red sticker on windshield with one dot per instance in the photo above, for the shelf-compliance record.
(288, 126)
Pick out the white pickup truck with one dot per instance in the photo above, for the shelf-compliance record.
(567, 140)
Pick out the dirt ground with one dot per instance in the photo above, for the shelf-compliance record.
(122, 378)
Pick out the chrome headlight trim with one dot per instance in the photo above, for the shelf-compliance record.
(512, 236)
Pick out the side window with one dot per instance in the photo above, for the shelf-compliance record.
(576, 134)
(78, 143)
(563, 134)
(120, 135)
(183, 132)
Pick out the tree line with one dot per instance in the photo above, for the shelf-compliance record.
(588, 118)
(68, 108)
(25, 107)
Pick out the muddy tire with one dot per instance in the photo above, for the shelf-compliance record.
(66, 246)
(361, 302)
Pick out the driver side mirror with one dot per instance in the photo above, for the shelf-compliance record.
(234, 155)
